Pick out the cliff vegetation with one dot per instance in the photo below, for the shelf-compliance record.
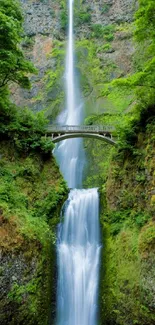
(32, 191)
(128, 283)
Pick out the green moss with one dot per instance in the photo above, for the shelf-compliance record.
(84, 17)
(147, 239)
(123, 282)
(33, 299)
(32, 192)
(105, 32)
(104, 48)
(64, 19)
(126, 293)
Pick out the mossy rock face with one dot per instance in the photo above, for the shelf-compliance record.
(45, 25)
(131, 178)
(27, 287)
(32, 192)
(127, 287)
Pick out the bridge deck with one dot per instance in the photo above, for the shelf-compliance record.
(63, 132)
(99, 129)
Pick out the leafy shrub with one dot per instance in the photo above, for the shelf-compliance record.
(109, 37)
(24, 129)
(84, 17)
(64, 19)
(97, 30)
(105, 32)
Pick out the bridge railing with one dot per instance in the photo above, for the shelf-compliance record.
(80, 128)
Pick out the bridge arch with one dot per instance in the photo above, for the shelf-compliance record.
(100, 137)
(63, 132)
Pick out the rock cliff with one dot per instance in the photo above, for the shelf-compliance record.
(128, 219)
(105, 27)
(32, 192)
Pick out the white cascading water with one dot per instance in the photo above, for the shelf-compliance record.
(78, 243)
(78, 256)
(70, 153)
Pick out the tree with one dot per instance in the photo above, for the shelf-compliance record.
(13, 66)
(145, 37)
(145, 21)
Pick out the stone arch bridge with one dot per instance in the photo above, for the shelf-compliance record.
(63, 132)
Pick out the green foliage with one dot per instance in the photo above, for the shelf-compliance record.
(129, 232)
(104, 48)
(99, 155)
(126, 218)
(84, 17)
(145, 21)
(31, 297)
(51, 201)
(147, 238)
(28, 41)
(109, 37)
(142, 82)
(105, 32)
(13, 66)
(31, 195)
(64, 19)
(93, 72)
(22, 128)
(125, 294)
(31, 189)
(97, 30)
(54, 81)
(141, 79)
(25, 130)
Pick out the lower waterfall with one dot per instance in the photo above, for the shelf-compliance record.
(78, 259)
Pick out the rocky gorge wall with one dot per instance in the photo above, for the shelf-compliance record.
(128, 283)
(103, 37)
(32, 192)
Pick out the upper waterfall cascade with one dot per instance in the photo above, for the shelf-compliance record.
(70, 154)
(78, 245)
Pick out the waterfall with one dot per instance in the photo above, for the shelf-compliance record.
(70, 153)
(78, 256)
(78, 244)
